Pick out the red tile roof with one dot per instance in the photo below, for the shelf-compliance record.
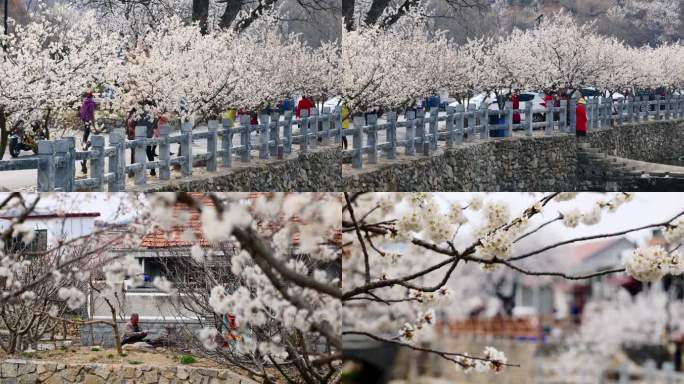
(172, 238)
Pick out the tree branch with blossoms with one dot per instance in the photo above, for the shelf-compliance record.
(416, 224)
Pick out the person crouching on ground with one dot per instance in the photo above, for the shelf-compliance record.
(131, 332)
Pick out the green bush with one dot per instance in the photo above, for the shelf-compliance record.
(95, 349)
(187, 359)
(134, 362)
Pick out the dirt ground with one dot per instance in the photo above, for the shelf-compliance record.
(109, 355)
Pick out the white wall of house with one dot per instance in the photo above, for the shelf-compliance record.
(58, 228)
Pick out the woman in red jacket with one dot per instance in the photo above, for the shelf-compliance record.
(303, 104)
(581, 118)
(515, 100)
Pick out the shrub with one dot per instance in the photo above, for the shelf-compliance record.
(95, 349)
(187, 359)
(134, 362)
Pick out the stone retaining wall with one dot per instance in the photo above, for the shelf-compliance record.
(316, 170)
(513, 164)
(32, 371)
(540, 163)
(652, 141)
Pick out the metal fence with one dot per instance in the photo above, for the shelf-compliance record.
(423, 130)
(108, 168)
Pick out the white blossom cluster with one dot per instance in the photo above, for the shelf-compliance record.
(495, 361)
(652, 263)
(675, 232)
(574, 217)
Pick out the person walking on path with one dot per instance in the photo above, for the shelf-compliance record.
(87, 116)
(581, 118)
(344, 111)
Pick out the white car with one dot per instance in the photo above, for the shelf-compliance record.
(536, 98)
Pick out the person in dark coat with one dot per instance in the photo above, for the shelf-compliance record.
(581, 118)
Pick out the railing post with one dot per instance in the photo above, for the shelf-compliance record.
(164, 152)
(620, 111)
(434, 135)
(450, 126)
(391, 146)
(325, 125)
(624, 374)
(313, 127)
(563, 121)
(117, 162)
(484, 121)
(357, 144)
(227, 143)
(274, 135)
(630, 109)
(420, 127)
(287, 132)
(62, 169)
(186, 148)
(245, 133)
(661, 104)
(263, 135)
(409, 146)
(572, 112)
(548, 128)
(472, 121)
(71, 164)
(212, 127)
(372, 138)
(508, 109)
(97, 164)
(304, 131)
(529, 118)
(141, 155)
(337, 124)
(46, 166)
(459, 114)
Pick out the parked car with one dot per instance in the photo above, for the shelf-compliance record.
(536, 98)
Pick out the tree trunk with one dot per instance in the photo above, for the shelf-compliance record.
(115, 328)
(45, 124)
(230, 13)
(4, 133)
(348, 14)
(200, 12)
(376, 10)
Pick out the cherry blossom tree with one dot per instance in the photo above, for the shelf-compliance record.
(287, 292)
(47, 64)
(402, 250)
(288, 260)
